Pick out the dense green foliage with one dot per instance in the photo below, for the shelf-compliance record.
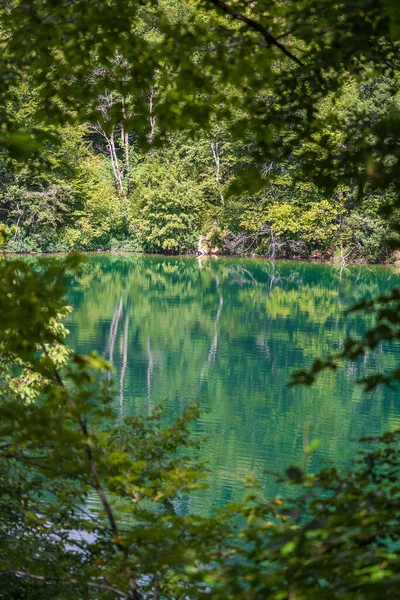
(118, 176)
(87, 506)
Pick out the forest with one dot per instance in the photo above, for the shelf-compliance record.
(128, 179)
(267, 127)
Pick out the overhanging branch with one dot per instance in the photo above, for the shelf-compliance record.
(267, 35)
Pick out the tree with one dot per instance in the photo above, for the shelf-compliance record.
(59, 445)
(73, 476)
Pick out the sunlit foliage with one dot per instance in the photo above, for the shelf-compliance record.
(144, 70)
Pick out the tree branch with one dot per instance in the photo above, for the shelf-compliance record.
(96, 484)
(135, 595)
(267, 35)
(99, 586)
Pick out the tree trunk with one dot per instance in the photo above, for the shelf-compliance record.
(215, 150)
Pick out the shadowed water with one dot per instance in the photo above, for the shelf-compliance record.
(228, 333)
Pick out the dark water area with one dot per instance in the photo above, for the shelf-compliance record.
(227, 333)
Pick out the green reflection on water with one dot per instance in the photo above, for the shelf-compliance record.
(227, 333)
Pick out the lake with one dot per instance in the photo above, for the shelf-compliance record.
(227, 333)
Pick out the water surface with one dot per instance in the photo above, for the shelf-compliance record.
(228, 333)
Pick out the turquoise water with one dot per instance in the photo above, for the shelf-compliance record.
(227, 333)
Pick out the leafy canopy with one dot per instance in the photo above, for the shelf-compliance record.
(90, 508)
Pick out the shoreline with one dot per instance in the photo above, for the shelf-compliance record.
(198, 255)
